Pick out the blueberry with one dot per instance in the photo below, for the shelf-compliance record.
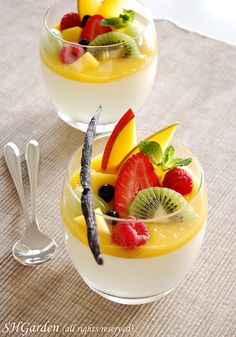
(85, 19)
(106, 192)
(112, 213)
(84, 42)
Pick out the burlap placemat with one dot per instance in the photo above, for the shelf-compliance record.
(195, 85)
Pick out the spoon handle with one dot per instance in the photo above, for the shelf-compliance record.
(32, 157)
(12, 157)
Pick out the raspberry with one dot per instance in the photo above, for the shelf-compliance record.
(130, 234)
(70, 53)
(70, 20)
(179, 180)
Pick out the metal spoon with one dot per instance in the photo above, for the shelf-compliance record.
(34, 247)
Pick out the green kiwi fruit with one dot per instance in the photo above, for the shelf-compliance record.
(75, 203)
(126, 44)
(156, 202)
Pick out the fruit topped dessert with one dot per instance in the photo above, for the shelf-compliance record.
(139, 201)
(106, 50)
(80, 45)
(147, 186)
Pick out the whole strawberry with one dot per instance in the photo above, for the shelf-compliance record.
(178, 180)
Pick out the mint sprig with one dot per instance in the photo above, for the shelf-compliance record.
(122, 21)
(165, 160)
(152, 150)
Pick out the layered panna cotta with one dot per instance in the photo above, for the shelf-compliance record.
(151, 210)
(102, 54)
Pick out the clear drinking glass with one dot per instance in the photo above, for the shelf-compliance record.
(114, 81)
(145, 273)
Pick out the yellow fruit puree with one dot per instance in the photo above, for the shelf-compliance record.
(164, 237)
(107, 69)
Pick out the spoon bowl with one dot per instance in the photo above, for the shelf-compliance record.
(27, 252)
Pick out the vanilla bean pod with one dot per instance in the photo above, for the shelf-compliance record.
(87, 202)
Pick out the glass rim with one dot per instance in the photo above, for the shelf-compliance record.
(149, 18)
(160, 219)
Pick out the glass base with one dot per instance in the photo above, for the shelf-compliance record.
(129, 301)
(101, 128)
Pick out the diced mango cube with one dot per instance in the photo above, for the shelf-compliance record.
(96, 162)
(102, 226)
(57, 26)
(87, 61)
(72, 34)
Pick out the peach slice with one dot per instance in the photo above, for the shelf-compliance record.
(121, 141)
(163, 137)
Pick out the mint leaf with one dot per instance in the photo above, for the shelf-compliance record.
(176, 162)
(123, 20)
(165, 160)
(152, 150)
(168, 154)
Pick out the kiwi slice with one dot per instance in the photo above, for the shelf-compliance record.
(75, 204)
(126, 44)
(156, 202)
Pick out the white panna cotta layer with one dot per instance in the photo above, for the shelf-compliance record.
(134, 277)
(79, 100)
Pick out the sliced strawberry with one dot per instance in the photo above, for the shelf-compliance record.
(92, 28)
(70, 20)
(136, 174)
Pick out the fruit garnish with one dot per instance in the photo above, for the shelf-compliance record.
(84, 42)
(87, 203)
(126, 44)
(70, 20)
(85, 19)
(75, 204)
(165, 160)
(88, 7)
(102, 226)
(106, 192)
(163, 137)
(112, 213)
(136, 174)
(51, 42)
(92, 28)
(156, 202)
(111, 8)
(179, 180)
(122, 21)
(121, 140)
(72, 34)
(133, 30)
(70, 53)
(86, 61)
(130, 234)
(57, 26)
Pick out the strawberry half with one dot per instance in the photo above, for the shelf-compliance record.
(70, 20)
(92, 28)
(136, 174)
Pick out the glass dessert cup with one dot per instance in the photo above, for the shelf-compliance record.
(110, 80)
(145, 273)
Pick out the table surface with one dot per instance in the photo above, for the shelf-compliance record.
(195, 84)
(215, 18)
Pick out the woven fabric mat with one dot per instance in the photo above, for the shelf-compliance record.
(195, 84)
